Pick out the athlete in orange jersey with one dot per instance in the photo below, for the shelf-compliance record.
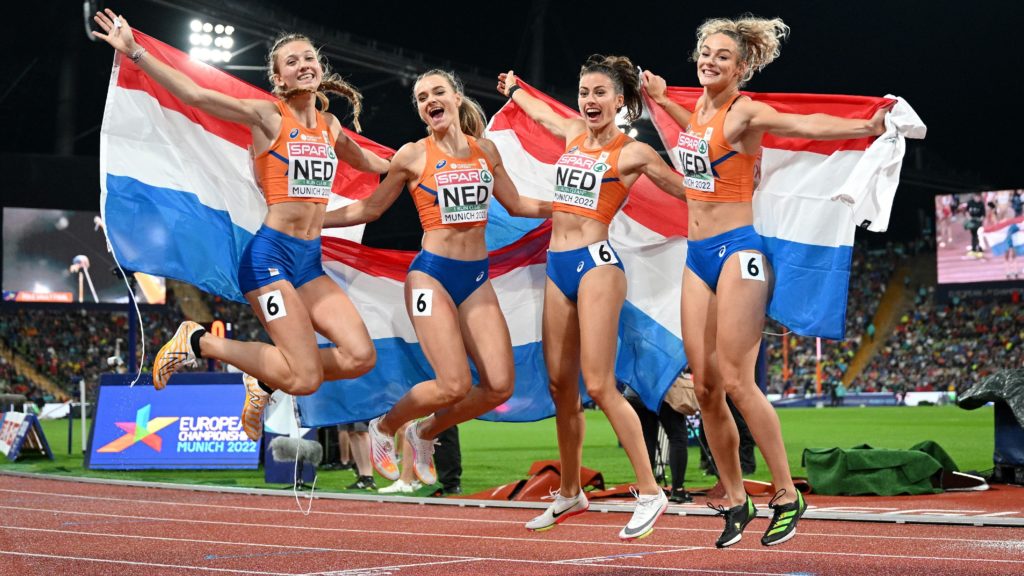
(727, 281)
(586, 284)
(296, 150)
(452, 175)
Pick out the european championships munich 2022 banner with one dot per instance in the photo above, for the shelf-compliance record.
(192, 423)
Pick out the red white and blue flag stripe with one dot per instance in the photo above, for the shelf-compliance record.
(1004, 236)
(812, 196)
(179, 200)
(177, 191)
(648, 234)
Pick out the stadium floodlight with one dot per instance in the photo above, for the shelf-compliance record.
(210, 42)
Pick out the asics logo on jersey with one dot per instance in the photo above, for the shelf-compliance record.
(721, 251)
(440, 164)
(293, 133)
(580, 267)
(479, 276)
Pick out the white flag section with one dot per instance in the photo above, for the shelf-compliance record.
(811, 198)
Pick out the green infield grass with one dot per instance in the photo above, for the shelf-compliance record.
(498, 453)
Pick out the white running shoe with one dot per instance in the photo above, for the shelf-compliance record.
(382, 452)
(422, 455)
(560, 510)
(648, 509)
(400, 487)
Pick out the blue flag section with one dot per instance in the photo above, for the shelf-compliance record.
(194, 423)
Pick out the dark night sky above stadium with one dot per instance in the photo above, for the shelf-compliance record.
(958, 63)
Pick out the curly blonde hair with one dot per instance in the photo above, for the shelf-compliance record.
(472, 120)
(758, 39)
(331, 83)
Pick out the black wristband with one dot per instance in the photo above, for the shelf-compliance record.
(512, 90)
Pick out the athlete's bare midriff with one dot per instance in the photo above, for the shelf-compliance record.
(570, 231)
(707, 219)
(302, 220)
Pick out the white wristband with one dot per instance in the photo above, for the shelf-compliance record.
(137, 55)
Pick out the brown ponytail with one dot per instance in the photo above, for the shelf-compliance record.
(624, 75)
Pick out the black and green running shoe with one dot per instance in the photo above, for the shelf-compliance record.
(784, 519)
(736, 519)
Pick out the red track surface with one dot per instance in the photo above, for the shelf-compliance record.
(55, 527)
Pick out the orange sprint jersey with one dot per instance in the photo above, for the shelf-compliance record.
(300, 164)
(453, 192)
(587, 181)
(712, 171)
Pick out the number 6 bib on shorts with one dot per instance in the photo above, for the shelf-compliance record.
(568, 267)
(707, 257)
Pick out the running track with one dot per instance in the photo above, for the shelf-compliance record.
(56, 527)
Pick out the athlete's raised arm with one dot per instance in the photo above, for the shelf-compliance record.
(537, 109)
(252, 113)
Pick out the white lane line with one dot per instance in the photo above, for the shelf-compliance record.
(505, 538)
(247, 543)
(155, 519)
(378, 569)
(130, 563)
(292, 510)
(387, 569)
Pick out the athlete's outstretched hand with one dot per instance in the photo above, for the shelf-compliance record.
(654, 84)
(506, 80)
(877, 122)
(116, 31)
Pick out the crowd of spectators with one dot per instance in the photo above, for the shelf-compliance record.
(870, 272)
(946, 346)
(68, 344)
(14, 382)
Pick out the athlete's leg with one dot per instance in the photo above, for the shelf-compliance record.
(335, 317)
(602, 292)
(293, 363)
(560, 333)
(741, 310)
(487, 340)
(698, 310)
(441, 340)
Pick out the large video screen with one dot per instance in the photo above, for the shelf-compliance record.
(980, 236)
(60, 256)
